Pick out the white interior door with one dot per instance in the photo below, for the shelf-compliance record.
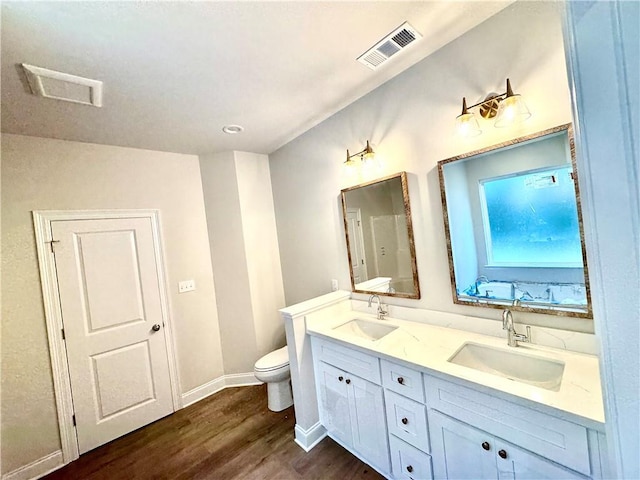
(111, 307)
(356, 245)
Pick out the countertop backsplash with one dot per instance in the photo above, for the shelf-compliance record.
(549, 337)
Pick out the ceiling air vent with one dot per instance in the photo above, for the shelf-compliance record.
(397, 40)
(62, 86)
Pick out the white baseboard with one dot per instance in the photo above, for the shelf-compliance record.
(37, 469)
(307, 439)
(241, 380)
(217, 384)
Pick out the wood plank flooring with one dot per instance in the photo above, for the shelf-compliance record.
(230, 435)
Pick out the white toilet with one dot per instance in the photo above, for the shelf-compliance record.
(273, 369)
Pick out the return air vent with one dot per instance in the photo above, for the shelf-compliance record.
(397, 40)
(62, 86)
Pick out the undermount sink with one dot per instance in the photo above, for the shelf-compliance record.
(511, 364)
(365, 329)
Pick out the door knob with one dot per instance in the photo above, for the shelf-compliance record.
(156, 327)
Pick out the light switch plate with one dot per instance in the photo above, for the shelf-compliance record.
(334, 284)
(186, 286)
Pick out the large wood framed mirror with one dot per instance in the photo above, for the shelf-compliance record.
(379, 234)
(514, 227)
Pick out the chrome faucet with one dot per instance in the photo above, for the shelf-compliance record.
(512, 336)
(381, 310)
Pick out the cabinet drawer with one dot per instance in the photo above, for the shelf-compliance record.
(404, 380)
(550, 437)
(407, 420)
(408, 462)
(352, 361)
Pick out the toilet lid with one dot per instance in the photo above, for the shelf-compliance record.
(273, 360)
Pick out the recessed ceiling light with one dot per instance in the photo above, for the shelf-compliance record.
(232, 129)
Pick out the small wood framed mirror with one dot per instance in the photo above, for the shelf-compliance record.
(379, 235)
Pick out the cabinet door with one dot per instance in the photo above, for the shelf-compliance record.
(459, 451)
(368, 422)
(334, 403)
(523, 465)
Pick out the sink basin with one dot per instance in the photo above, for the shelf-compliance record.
(511, 364)
(365, 329)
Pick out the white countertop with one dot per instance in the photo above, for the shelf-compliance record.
(430, 347)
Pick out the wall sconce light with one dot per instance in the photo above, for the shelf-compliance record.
(507, 108)
(365, 154)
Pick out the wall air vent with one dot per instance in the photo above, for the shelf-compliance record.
(62, 86)
(397, 40)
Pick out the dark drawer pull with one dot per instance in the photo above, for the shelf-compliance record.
(502, 453)
(409, 468)
(405, 420)
(348, 381)
(486, 445)
(401, 380)
(340, 378)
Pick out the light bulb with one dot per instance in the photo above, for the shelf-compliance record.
(512, 109)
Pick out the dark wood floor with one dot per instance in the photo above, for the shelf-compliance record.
(229, 435)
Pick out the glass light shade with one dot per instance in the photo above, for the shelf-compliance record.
(350, 163)
(467, 125)
(512, 110)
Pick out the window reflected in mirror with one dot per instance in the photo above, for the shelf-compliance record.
(513, 225)
(379, 236)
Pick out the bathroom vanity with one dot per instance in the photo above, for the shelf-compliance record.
(419, 401)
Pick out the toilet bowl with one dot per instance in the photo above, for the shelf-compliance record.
(273, 369)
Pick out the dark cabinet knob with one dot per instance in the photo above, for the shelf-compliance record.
(340, 378)
(348, 381)
(486, 445)
(405, 420)
(401, 380)
(409, 468)
(502, 453)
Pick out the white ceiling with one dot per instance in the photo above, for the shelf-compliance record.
(175, 73)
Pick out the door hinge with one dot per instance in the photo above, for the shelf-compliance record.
(358, 222)
(51, 242)
(63, 337)
(74, 420)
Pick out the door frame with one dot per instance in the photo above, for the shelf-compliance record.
(53, 314)
(359, 241)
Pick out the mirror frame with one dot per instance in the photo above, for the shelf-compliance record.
(501, 304)
(412, 247)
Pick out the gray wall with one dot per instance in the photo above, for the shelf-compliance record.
(409, 121)
(43, 174)
(245, 257)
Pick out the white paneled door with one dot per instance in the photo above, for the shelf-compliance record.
(110, 297)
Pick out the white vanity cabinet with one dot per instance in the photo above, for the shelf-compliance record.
(463, 452)
(414, 423)
(475, 435)
(406, 421)
(350, 401)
